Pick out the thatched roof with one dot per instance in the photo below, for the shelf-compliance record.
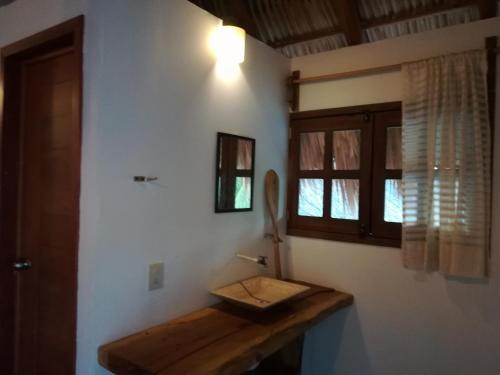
(302, 27)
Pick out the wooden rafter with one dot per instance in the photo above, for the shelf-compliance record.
(350, 23)
(487, 8)
(420, 11)
(305, 37)
(238, 11)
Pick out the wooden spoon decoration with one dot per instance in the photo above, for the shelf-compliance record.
(271, 182)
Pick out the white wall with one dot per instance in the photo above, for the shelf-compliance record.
(402, 322)
(152, 106)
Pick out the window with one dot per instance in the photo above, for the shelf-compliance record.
(345, 174)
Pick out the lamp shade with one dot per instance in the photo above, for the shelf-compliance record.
(229, 44)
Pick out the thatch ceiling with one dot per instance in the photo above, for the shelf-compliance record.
(302, 27)
(5, 2)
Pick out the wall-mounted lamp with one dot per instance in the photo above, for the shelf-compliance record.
(229, 45)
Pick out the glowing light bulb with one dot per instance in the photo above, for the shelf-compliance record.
(229, 45)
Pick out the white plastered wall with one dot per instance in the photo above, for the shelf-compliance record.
(153, 103)
(402, 322)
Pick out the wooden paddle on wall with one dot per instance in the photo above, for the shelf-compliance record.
(271, 182)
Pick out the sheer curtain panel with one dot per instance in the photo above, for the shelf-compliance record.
(446, 165)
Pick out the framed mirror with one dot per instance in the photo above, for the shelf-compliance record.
(234, 173)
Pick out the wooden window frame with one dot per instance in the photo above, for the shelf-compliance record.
(373, 121)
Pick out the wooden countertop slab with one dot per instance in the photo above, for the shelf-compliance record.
(221, 339)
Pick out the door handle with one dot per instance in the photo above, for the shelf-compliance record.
(22, 264)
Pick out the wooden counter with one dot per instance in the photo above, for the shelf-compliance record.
(221, 339)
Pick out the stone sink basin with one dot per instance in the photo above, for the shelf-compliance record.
(259, 293)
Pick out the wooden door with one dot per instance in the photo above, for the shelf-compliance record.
(44, 266)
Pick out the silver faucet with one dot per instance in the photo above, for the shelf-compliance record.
(262, 260)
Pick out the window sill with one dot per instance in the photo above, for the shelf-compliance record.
(377, 241)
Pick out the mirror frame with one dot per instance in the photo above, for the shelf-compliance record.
(220, 135)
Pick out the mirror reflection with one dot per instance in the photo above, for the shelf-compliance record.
(235, 171)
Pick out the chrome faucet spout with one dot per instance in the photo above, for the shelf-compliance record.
(262, 260)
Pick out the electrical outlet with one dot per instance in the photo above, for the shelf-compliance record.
(156, 276)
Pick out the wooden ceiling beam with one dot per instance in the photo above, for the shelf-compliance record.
(350, 23)
(487, 8)
(237, 11)
(379, 21)
(240, 12)
(204, 4)
(304, 37)
(349, 20)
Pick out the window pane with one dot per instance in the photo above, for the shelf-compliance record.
(242, 192)
(311, 197)
(393, 206)
(345, 199)
(394, 153)
(346, 149)
(244, 154)
(312, 151)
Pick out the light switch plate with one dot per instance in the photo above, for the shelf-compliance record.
(156, 273)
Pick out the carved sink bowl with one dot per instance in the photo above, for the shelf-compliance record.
(259, 293)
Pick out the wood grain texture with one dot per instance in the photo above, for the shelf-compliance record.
(487, 8)
(328, 121)
(350, 22)
(40, 123)
(271, 182)
(293, 91)
(48, 206)
(221, 339)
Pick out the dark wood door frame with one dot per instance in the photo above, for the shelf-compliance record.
(66, 35)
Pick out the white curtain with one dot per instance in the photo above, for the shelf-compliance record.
(446, 165)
